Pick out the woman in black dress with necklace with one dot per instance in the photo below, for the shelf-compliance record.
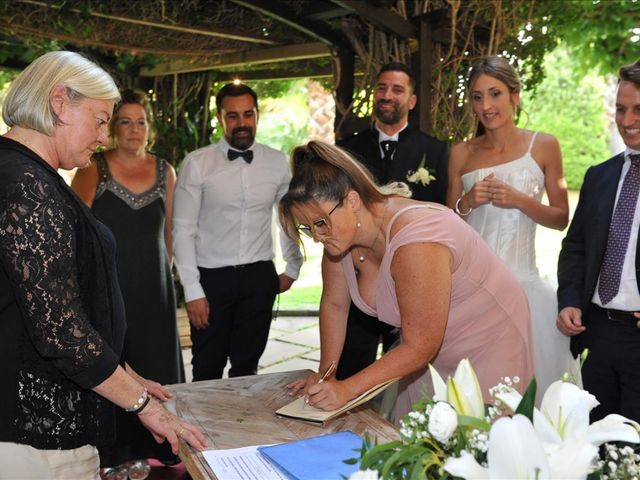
(131, 191)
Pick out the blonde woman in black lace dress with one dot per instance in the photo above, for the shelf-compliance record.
(62, 321)
(131, 191)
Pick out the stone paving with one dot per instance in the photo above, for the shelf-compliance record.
(294, 344)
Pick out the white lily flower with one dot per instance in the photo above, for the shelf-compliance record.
(515, 452)
(466, 466)
(613, 428)
(564, 417)
(567, 406)
(463, 391)
(439, 387)
(572, 460)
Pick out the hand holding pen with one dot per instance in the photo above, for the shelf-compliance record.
(327, 373)
(299, 387)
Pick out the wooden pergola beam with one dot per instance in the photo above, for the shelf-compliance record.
(209, 31)
(273, 74)
(381, 17)
(84, 42)
(282, 13)
(303, 51)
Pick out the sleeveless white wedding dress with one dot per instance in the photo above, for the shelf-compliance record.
(511, 235)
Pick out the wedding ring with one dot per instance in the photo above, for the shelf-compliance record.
(181, 432)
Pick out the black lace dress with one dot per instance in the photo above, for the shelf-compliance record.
(61, 314)
(151, 344)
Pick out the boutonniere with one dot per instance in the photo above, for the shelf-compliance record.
(422, 174)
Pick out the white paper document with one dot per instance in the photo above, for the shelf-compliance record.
(244, 463)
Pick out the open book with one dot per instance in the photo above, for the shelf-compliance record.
(300, 410)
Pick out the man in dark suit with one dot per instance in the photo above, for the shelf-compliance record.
(599, 267)
(392, 151)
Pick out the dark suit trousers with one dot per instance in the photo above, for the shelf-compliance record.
(240, 302)
(612, 369)
(361, 342)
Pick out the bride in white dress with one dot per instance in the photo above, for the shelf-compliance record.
(496, 183)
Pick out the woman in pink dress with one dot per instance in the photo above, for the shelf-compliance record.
(414, 265)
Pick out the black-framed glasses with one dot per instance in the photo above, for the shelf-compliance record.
(320, 226)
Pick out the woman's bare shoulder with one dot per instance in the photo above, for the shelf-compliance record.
(407, 211)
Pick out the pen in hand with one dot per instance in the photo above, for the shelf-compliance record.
(327, 373)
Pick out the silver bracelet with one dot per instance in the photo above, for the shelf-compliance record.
(140, 403)
(457, 209)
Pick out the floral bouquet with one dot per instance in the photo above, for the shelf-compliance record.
(453, 435)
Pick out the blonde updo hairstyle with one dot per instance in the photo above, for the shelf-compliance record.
(324, 172)
(27, 102)
(133, 97)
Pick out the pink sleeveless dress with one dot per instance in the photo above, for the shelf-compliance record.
(489, 320)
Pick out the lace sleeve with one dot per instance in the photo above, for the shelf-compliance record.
(37, 250)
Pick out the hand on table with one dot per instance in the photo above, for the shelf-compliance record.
(153, 388)
(300, 387)
(164, 425)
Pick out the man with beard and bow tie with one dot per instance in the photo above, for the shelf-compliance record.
(223, 211)
(393, 151)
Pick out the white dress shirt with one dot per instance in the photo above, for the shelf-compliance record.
(628, 298)
(223, 212)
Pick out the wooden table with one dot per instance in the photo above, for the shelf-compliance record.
(238, 412)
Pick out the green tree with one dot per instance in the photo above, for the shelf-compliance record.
(570, 106)
(601, 35)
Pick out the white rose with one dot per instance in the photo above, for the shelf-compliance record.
(364, 475)
(443, 421)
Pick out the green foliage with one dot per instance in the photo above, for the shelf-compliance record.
(5, 78)
(419, 454)
(301, 298)
(598, 33)
(284, 121)
(527, 404)
(571, 107)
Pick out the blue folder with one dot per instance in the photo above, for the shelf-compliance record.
(316, 458)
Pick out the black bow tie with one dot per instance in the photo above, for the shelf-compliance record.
(246, 154)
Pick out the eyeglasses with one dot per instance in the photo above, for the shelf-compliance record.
(321, 227)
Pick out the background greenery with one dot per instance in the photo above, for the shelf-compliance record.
(571, 106)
